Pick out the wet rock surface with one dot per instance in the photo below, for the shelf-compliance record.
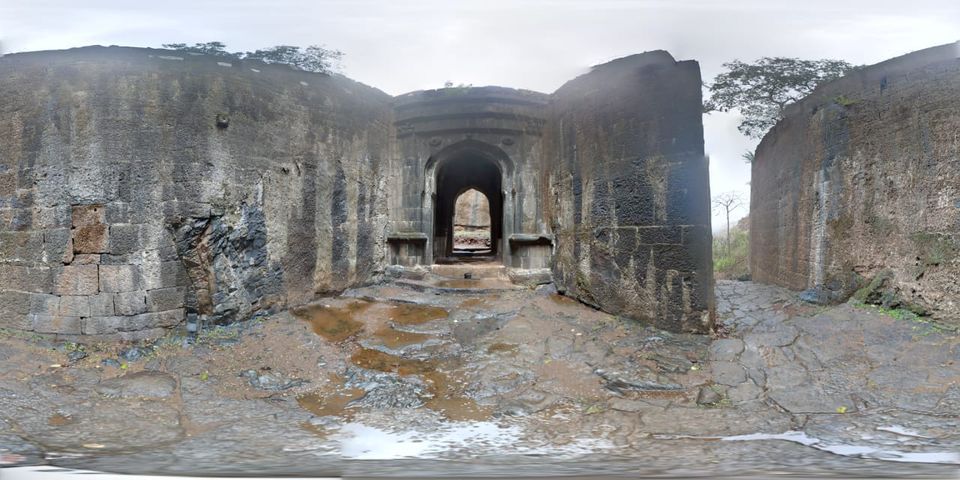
(144, 384)
(522, 383)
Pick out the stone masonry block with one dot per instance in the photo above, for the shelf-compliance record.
(75, 306)
(20, 321)
(8, 183)
(28, 279)
(151, 320)
(165, 299)
(130, 303)
(102, 325)
(55, 324)
(77, 280)
(101, 305)
(57, 244)
(173, 274)
(57, 216)
(91, 239)
(23, 247)
(84, 215)
(86, 259)
(151, 271)
(168, 318)
(14, 303)
(124, 238)
(119, 278)
(659, 235)
(44, 304)
(117, 212)
(67, 257)
(169, 253)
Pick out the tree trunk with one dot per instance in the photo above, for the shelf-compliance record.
(728, 232)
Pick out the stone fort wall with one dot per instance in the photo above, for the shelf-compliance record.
(145, 190)
(862, 178)
(628, 193)
(139, 185)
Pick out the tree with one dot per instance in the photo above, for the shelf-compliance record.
(314, 58)
(763, 89)
(748, 156)
(728, 202)
(206, 48)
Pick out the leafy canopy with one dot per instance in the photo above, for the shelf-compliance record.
(763, 89)
(314, 58)
(207, 48)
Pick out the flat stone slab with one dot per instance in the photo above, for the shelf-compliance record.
(139, 385)
(726, 349)
(728, 373)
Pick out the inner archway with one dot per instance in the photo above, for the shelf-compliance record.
(471, 224)
(457, 175)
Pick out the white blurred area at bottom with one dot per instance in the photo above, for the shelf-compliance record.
(44, 472)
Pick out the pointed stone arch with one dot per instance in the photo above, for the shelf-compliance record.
(458, 167)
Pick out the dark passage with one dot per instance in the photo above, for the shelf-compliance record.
(469, 210)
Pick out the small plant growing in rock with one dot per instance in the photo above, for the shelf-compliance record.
(844, 101)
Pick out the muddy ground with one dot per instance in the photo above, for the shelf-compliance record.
(411, 378)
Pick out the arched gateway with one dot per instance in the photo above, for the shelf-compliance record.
(455, 169)
(488, 139)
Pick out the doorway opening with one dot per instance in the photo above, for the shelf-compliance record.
(471, 224)
(468, 199)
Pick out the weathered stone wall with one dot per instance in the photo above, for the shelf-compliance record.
(626, 187)
(863, 177)
(144, 189)
(140, 187)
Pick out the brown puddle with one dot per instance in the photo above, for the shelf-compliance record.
(376, 360)
(332, 402)
(501, 347)
(412, 314)
(449, 401)
(338, 323)
(391, 338)
(333, 323)
(473, 302)
(58, 420)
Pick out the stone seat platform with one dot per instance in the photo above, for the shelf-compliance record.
(442, 284)
(470, 270)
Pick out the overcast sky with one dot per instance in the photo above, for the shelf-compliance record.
(399, 46)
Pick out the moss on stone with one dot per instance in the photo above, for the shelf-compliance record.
(874, 290)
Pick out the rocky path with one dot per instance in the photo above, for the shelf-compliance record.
(495, 382)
